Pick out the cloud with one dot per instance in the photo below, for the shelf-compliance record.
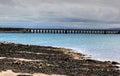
(7, 2)
(100, 11)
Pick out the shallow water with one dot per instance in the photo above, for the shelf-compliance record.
(98, 46)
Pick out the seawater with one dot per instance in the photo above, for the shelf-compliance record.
(97, 46)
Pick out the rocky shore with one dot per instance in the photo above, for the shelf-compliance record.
(51, 60)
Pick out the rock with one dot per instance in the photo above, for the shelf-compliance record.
(115, 63)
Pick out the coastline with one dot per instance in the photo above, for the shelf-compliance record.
(34, 59)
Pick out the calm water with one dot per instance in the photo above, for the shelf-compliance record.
(102, 47)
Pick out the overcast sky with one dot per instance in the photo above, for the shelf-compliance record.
(69, 11)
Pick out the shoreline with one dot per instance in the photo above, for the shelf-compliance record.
(91, 56)
(52, 60)
(75, 50)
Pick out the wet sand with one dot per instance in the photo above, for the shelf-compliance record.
(31, 60)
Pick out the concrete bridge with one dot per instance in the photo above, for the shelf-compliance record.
(73, 31)
(59, 31)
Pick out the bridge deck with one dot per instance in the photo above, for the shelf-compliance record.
(73, 31)
(60, 31)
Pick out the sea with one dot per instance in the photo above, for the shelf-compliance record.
(97, 46)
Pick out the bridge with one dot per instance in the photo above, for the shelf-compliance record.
(73, 31)
(59, 31)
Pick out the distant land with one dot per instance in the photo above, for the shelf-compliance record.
(115, 28)
(60, 27)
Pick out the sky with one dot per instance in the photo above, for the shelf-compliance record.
(54, 12)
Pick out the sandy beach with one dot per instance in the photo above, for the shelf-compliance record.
(32, 60)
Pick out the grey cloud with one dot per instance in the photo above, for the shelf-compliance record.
(61, 10)
(7, 2)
